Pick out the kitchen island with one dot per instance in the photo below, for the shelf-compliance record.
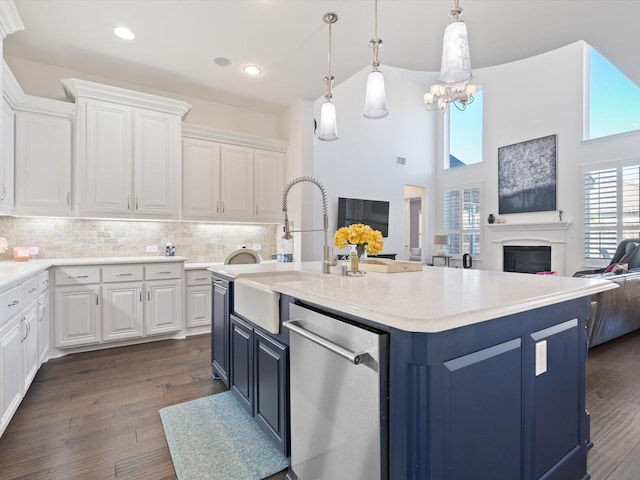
(485, 369)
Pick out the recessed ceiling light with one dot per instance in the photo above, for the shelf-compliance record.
(124, 33)
(222, 62)
(252, 70)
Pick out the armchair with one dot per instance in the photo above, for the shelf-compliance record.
(628, 251)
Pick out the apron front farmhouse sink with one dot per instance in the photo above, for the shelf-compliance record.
(255, 300)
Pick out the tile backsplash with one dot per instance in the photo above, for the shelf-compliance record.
(75, 238)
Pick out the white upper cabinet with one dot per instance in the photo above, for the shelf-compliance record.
(7, 159)
(227, 177)
(236, 176)
(269, 183)
(128, 151)
(108, 166)
(200, 179)
(43, 164)
(37, 152)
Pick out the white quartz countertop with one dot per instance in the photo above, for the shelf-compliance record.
(432, 300)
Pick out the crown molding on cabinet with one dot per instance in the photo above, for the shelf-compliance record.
(10, 21)
(20, 101)
(75, 88)
(223, 136)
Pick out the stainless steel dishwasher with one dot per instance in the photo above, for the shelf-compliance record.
(338, 376)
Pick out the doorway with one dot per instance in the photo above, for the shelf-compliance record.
(414, 222)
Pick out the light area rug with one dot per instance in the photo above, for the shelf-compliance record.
(214, 438)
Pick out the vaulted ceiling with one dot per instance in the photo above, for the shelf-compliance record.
(177, 41)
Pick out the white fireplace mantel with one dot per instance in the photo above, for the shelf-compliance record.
(534, 233)
(534, 226)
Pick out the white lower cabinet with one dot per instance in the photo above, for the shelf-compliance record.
(30, 354)
(43, 316)
(122, 311)
(108, 303)
(164, 307)
(198, 298)
(10, 369)
(20, 350)
(77, 314)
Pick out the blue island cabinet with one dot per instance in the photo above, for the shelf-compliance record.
(503, 399)
(259, 378)
(221, 301)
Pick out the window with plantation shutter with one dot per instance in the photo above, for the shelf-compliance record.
(611, 209)
(462, 221)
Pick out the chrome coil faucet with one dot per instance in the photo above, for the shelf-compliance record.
(326, 261)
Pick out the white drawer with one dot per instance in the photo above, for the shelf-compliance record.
(10, 303)
(198, 277)
(43, 282)
(122, 273)
(30, 291)
(162, 271)
(77, 275)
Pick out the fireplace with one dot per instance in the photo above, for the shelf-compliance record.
(526, 258)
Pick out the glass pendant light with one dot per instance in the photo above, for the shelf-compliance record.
(455, 70)
(375, 104)
(328, 125)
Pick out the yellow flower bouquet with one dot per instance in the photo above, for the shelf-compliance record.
(363, 236)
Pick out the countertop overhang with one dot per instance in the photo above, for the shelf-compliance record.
(432, 300)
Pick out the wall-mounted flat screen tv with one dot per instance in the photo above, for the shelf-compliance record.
(374, 213)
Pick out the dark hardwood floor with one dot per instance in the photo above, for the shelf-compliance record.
(95, 415)
(613, 399)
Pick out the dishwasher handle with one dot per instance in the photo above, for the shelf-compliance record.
(354, 357)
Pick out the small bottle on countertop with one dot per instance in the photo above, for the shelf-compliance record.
(353, 258)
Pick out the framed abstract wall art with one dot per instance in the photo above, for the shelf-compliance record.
(527, 176)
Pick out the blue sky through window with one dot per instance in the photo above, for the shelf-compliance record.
(614, 100)
(465, 133)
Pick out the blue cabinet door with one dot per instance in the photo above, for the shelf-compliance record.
(483, 411)
(220, 329)
(241, 374)
(271, 388)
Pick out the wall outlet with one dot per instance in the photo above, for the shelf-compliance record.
(34, 251)
(257, 247)
(152, 249)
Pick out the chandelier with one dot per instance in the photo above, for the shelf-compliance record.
(440, 96)
(455, 70)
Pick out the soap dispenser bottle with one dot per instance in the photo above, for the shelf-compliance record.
(353, 258)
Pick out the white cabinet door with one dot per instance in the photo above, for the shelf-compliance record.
(43, 326)
(122, 311)
(10, 369)
(200, 179)
(269, 179)
(7, 159)
(237, 199)
(30, 356)
(108, 160)
(43, 165)
(198, 311)
(163, 312)
(77, 315)
(156, 160)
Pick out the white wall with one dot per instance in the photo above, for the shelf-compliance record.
(527, 99)
(362, 162)
(43, 80)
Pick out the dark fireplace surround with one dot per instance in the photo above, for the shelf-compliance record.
(526, 259)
